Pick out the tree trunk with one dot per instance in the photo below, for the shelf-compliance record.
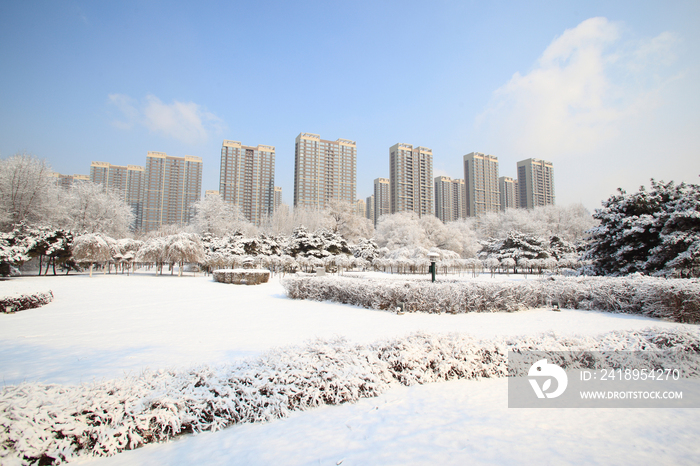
(91, 264)
(41, 256)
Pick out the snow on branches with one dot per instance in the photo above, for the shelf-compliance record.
(655, 232)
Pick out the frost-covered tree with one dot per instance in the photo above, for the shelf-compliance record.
(347, 223)
(319, 244)
(92, 209)
(567, 222)
(281, 222)
(27, 191)
(365, 249)
(398, 230)
(406, 229)
(219, 218)
(517, 245)
(312, 219)
(463, 238)
(91, 248)
(655, 232)
(54, 245)
(185, 248)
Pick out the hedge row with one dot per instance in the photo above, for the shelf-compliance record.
(25, 301)
(50, 424)
(673, 299)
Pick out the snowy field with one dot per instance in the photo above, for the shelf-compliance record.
(107, 326)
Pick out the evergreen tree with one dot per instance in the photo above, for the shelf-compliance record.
(655, 232)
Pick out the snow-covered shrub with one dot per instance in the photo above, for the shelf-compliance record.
(52, 424)
(25, 301)
(241, 276)
(674, 299)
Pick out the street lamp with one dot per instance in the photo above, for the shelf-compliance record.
(433, 257)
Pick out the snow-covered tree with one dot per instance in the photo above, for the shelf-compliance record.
(365, 249)
(91, 248)
(399, 230)
(312, 219)
(318, 244)
(56, 245)
(219, 218)
(655, 232)
(281, 222)
(347, 223)
(90, 208)
(185, 248)
(153, 251)
(567, 222)
(463, 238)
(27, 191)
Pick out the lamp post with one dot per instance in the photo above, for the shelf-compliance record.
(433, 257)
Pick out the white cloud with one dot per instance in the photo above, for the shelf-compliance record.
(184, 121)
(589, 91)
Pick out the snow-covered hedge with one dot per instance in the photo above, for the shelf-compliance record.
(241, 276)
(25, 301)
(674, 299)
(51, 424)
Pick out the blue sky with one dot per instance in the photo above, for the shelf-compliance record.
(608, 91)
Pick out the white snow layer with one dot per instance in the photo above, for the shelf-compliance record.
(106, 325)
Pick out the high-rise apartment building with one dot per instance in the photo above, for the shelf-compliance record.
(278, 198)
(247, 179)
(411, 179)
(128, 181)
(450, 199)
(360, 208)
(67, 181)
(172, 185)
(535, 183)
(369, 208)
(508, 192)
(323, 171)
(481, 183)
(381, 199)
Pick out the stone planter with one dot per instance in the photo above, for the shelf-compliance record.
(241, 276)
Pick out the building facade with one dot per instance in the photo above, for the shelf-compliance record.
(172, 185)
(508, 192)
(128, 181)
(324, 171)
(450, 199)
(535, 183)
(369, 208)
(360, 208)
(411, 179)
(67, 181)
(381, 199)
(481, 184)
(247, 179)
(278, 199)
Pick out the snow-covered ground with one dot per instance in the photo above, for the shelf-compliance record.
(108, 325)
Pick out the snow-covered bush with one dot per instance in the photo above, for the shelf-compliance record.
(52, 424)
(241, 276)
(674, 299)
(25, 301)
